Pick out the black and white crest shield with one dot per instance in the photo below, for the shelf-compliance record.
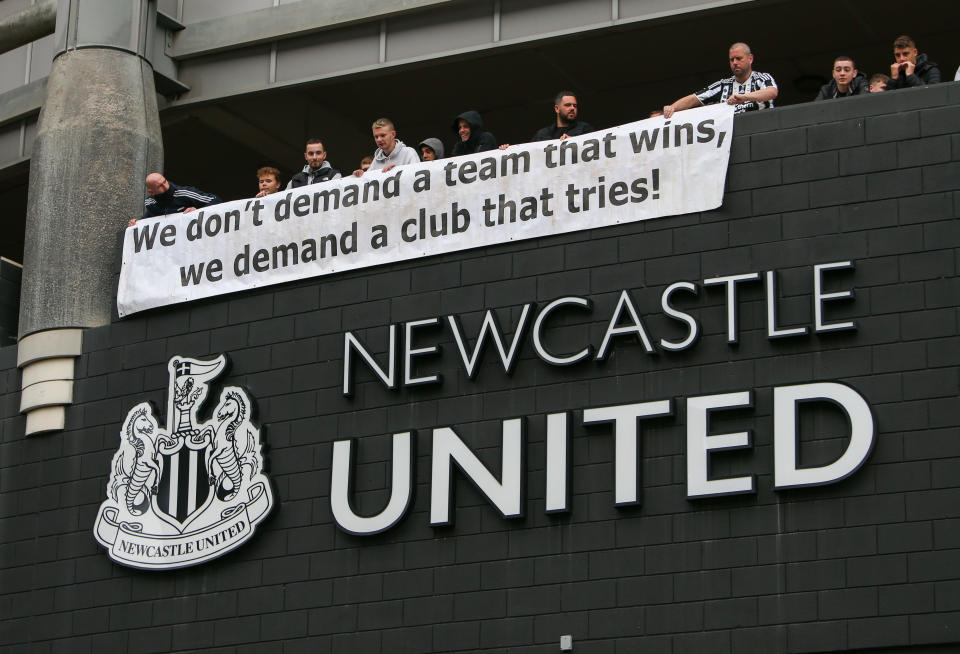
(192, 491)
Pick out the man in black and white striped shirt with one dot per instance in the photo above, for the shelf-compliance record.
(747, 89)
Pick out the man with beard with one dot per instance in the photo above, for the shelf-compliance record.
(317, 169)
(747, 89)
(566, 108)
(910, 68)
(164, 197)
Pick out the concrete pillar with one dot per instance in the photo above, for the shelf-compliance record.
(98, 135)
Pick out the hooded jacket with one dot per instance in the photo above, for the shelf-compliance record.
(175, 199)
(479, 140)
(434, 144)
(925, 72)
(324, 173)
(858, 86)
(400, 155)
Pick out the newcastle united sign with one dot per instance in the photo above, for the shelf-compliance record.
(193, 491)
(412, 357)
(184, 494)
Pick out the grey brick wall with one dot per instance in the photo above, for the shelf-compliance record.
(861, 565)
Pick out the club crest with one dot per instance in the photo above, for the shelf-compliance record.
(190, 492)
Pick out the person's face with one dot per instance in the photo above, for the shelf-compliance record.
(384, 138)
(740, 62)
(269, 183)
(315, 155)
(428, 153)
(878, 86)
(463, 129)
(843, 72)
(364, 165)
(903, 55)
(158, 187)
(567, 109)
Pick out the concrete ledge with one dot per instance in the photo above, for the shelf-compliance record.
(47, 370)
(22, 101)
(51, 418)
(47, 360)
(57, 392)
(282, 22)
(49, 344)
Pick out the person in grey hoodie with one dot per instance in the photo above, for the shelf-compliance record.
(431, 149)
(390, 150)
(471, 138)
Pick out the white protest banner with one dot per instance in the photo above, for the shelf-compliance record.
(642, 170)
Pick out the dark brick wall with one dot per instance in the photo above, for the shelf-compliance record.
(860, 565)
(9, 301)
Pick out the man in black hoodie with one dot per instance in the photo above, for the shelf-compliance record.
(909, 68)
(847, 80)
(471, 138)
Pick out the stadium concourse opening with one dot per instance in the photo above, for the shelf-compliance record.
(621, 75)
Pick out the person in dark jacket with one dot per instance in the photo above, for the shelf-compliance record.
(318, 169)
(165, 197)
(909, 68)
(566, 108)
(468, 127)
(847, 80)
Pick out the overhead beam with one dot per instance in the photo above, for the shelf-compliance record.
(22, 101)
(283, 22)
(28, 25)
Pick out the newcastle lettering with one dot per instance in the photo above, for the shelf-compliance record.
(410, 347)
(140, 550)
